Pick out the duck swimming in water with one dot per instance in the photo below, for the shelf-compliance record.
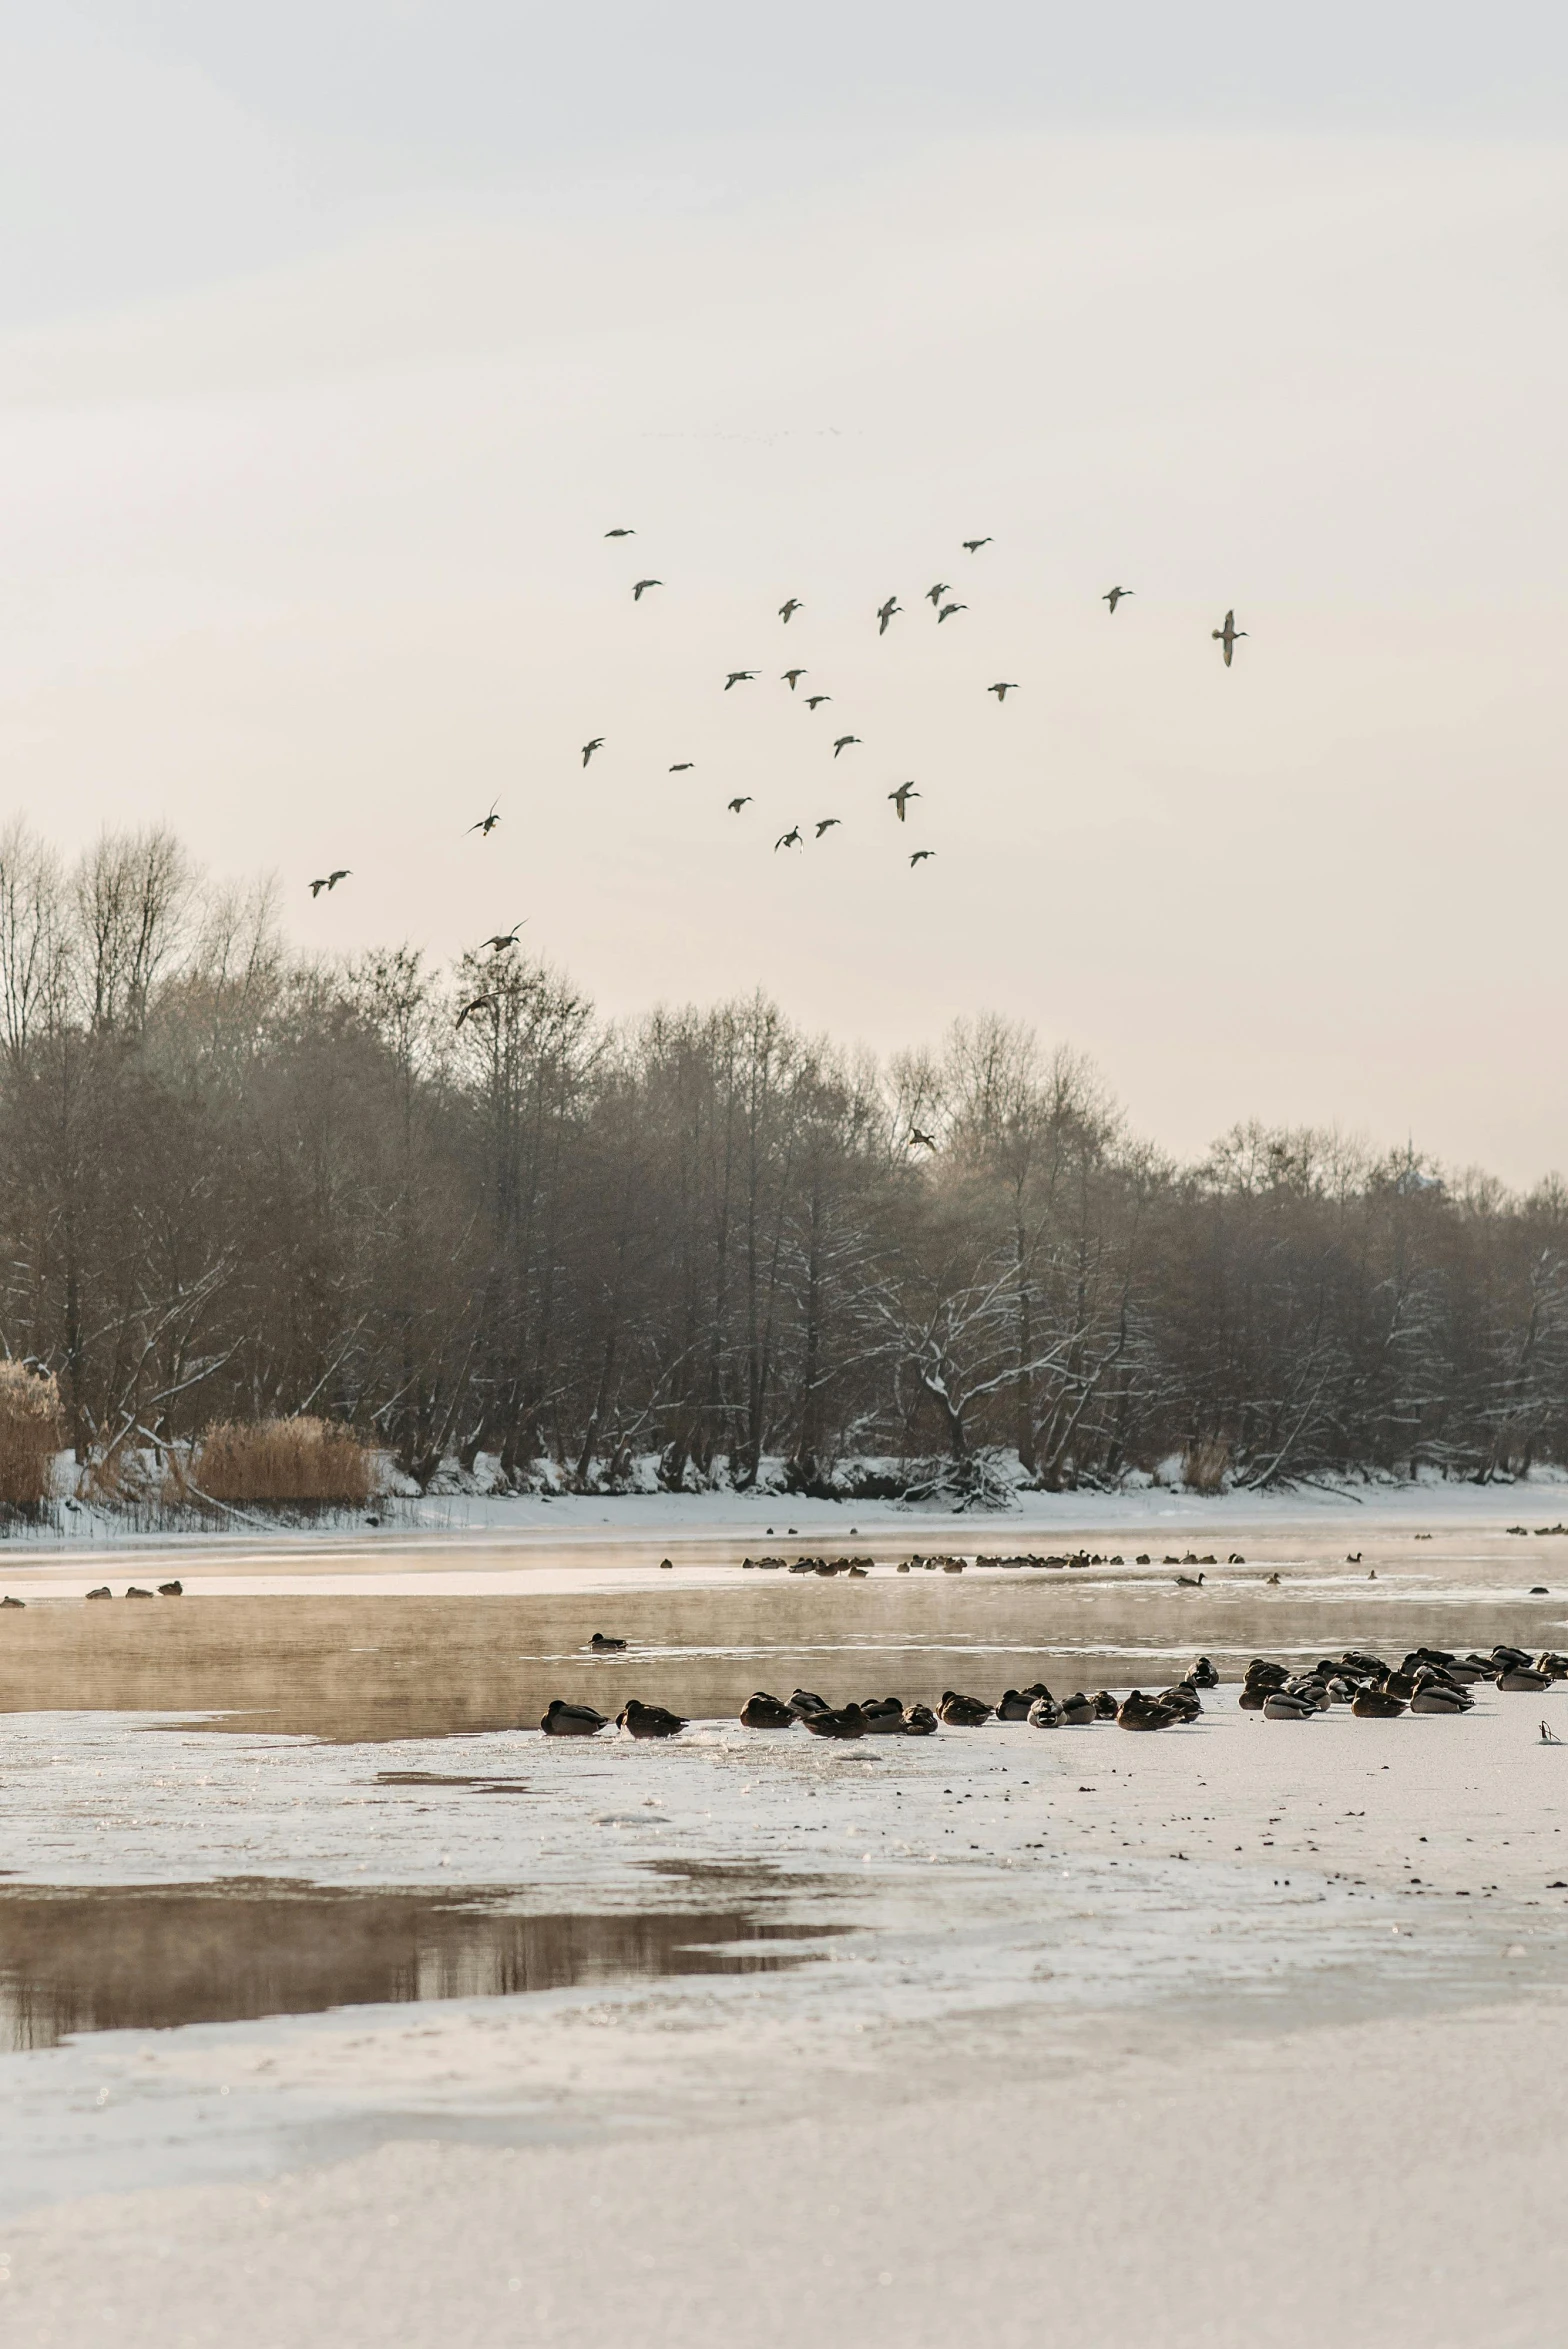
(761, 1711)
(640, 1720)
(564, 1720)
(962, 1712)
(604, 1646)
(847, 1721)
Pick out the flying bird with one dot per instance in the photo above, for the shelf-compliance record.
(792, 677)
(739, 677)
(329, 881)
(886, 612)
(919, 1141)
(1002, 689)
(788, 610)
(935, 594)
(843, 742)
(479, 1003)
(683, 766)
(900, 797)
(502, 940)
(486, 824)
(947, 611)
(1227, 635)
(1115, 595)
(920, 854)
(815, 700)
(590, 747)
(642, 584)
(620, 534)
(790, 839)
(972, 546)
(827, 824)
(737, 804)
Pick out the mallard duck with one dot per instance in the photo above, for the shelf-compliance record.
(1105, 1707)
(1203, 1674)
(1371, 1666)
(1078, 1711)
(805, 1701)
(171, 1590)
(133, 1590)
(884, 1716)
(1309, 1688)
(102, 1592)
(603, 1645)
(1438, 1696)
(848, 1721)
(1501, 1657)
(564, 1720)
(1376, 1704)
(1013, 1705)
(1523, 1680)
(640, 1720)
(962, 1712)
(1553, 1664)
(919, 1721)
(1281, 1705)
(1045, 1713)
(761, 1711)
(1181, 1699)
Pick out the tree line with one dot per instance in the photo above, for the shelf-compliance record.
(236, 1184)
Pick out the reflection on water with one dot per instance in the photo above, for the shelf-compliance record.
(145, 1958)
(379, 1666)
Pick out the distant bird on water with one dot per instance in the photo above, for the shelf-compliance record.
(1228, 635)
(947, 611)
(737, 804)
(935, 593)
(827, 824)
(683, 766)
(920, 856)
(888, 611)
(503, 939)
(642, 587)
(972, 546)
(1114, 596)
(479, 1003)
(739, 677)
(329, 881)
(486, 824)
(814, 701)
(620, 534)
(904, 793)
(790, 839)
(791, 677)
(788, 609)
(590, 747)
(843, 742)
(1002, 689)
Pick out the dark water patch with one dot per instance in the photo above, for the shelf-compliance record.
(142, 1957)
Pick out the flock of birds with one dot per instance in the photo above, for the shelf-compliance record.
(940, 596)
(1429, 1680)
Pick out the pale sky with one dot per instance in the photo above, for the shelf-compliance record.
(333, 338)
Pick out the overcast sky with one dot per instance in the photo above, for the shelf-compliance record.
(333, 338)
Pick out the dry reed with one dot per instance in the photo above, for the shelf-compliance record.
(31, 1432)
(1205, 1465)
(283, 1460)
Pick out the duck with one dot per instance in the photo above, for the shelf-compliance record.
(1138, 1711)
(761, 1711)
(603, 1645)
(1203, 1674)
(962, 1712)
(102, 1592)
(1284, 1705)
(1501, 1657)
(847, 1721)
(1013, 1705)
(564, 1720)
(805, 1701)
(1310, 1688)
(133, 1590)
(1376, 1704)
(1437, 1696)
(919, 1721)
(1105, 1706)
(1181, 1700)
(1045, 1713)
(640, 1720)
(884, 1716)
(1078, 1711)
(171, 1590)
(1523, 1680)
(1553, 1664)
(1370, 1667)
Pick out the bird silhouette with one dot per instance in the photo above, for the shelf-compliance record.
(791, 677)
(935, 593)
(972, 546)
(486, 824)
(1002, 689)
(737, 804)
(620, 534)
(900, 797)
(919, 1141)
(1227, 635)
(947, 611)
(1114, 596)
(641, 587)
(843, 742)
(886, 612)
(788, 609)
(503, 939)
(827, 824)
(479, 1003)
(920, 854)
(815, 700)
(590, 747)
(739, 677)
(683, 766)
(790, 839)
(329, 881)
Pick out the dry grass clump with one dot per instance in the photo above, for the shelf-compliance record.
(301, 1459)
(31, 1432)
(1204, 1465)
